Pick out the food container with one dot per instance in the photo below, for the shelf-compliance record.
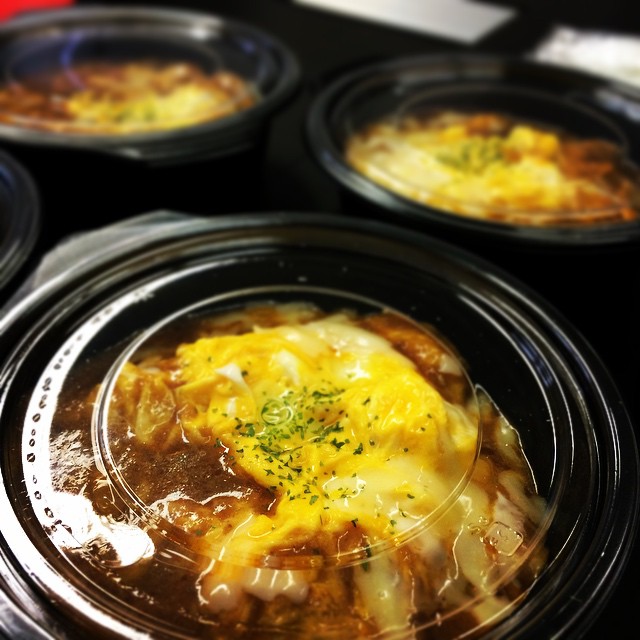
(503, 150)
(504, 132)
(113, 526)
(142, 101)
(19, 221)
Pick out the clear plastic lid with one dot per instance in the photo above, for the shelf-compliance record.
(297, 396)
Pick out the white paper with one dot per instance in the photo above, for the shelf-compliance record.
(613, 55)
(460, 20)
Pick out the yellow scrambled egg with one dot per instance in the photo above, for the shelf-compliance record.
(339, 426)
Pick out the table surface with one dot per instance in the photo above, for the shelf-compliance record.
(324, 43)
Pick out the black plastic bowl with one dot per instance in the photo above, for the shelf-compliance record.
(552, 97)
(63, 335)
(125, 173)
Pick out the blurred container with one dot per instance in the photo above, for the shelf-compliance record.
(184, 143)
(405, 93)
(70, 327)
(19, 222)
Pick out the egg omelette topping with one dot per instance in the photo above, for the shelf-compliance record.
(129, 97)
(340, 429)
(491, 166)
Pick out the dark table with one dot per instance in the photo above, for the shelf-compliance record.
(326, 43)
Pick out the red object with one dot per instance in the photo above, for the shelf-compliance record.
(9, 8)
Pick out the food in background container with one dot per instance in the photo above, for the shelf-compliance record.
(120, 98)
(490, 165)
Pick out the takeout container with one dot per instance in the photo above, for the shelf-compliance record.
(553, 98)
(69, 326)
(207, 165)
(19, 222)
